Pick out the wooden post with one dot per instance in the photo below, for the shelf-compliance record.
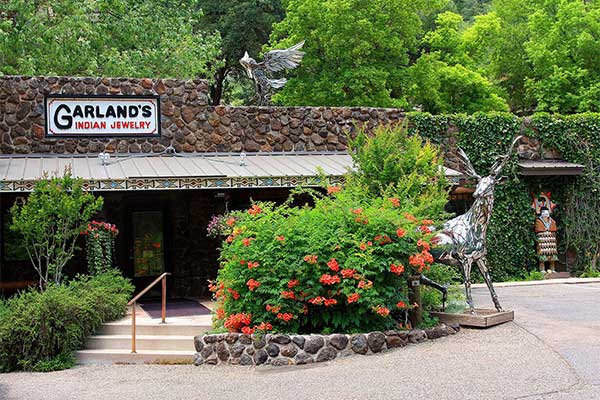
(133, 328)
(164, 299)
(414, 297)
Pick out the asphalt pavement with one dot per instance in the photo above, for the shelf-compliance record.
(551, 351)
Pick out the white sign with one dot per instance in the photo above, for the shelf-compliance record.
(92, 116)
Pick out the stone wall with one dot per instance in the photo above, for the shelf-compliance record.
(279, 350)
(188, 123)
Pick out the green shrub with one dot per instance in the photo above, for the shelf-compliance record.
(343, 263)
(40, 330)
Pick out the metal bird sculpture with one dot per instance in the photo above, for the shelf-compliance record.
(262, 72)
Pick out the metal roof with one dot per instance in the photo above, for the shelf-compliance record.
(549, 168)
(18, 173)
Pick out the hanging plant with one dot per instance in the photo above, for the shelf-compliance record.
(100, 246)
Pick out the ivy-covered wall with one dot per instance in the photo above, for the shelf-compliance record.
(576, 138)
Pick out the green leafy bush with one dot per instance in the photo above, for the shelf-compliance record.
(341, 264)
(40, 330)
(50, 222)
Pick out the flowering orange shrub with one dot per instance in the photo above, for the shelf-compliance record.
(341, 265)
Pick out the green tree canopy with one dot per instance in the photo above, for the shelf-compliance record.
(355, 50)
(145, 38)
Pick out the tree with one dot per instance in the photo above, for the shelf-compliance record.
(445, 79)
(146, 38)
(50, 222)
(355, 50)
(244, 25)
(565, 54)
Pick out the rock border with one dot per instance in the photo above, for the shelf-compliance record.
(280, 349)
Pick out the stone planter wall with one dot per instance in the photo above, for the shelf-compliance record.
(279, 350)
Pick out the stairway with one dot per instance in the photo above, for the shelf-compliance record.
(156, 344)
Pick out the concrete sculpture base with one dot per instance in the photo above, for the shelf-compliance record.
(483, 318)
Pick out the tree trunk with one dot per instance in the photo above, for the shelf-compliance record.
(216, 89)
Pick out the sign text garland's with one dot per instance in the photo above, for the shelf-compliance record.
(102, 116)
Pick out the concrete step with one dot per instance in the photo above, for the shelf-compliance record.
(153, 329)
(114, 356)
(143, 342)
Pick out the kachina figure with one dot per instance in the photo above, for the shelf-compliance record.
(545, 232)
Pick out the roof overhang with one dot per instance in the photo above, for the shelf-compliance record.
(131, 172)
(549, 168)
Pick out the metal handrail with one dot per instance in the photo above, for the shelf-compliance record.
(133, 301)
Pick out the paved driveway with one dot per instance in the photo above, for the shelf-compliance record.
(565, 317)
(551, 352)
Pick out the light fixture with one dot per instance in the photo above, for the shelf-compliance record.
(104, 158)
(243, 159)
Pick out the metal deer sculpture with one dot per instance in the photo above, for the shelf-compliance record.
(275, 61)
(463, 239)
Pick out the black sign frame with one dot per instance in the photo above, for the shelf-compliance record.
(158, 133)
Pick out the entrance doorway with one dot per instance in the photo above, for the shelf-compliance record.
(148, 246)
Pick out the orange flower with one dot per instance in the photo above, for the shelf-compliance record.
(285, 316)
(247, 330)
(353, 298)
(252, 284)
(362, 246)
(330, 302)
(425, 229)
(264, 326)
(333, 265)
(423, 244)
(427, 256)
(356, 211)
(400, 232)
(293, 283)
(229, 239)
(311, 259)
(395, 201)
(247, 241)
(348, 273)
(397, 269)
(410, 217)
(381, 310)
(329, 279)
(365, 284)
(427, 222)
(280, 238)
(317, 300)
(254, 210)
(401, 304)
(333, 189)
(253, 264)
(273, 309)
(230, 221)
(220, 313)
(288, 295)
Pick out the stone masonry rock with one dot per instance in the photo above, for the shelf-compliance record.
(260, 357)
(359, 344)
(314, 344)
(338, 341)
(272, 350)
(326, 354)
(376, 341)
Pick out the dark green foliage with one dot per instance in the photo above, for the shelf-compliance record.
(511, 240)
(40, 330)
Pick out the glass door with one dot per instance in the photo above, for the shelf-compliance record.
(148, 244)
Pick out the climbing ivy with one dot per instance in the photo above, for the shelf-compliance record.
(511, 240)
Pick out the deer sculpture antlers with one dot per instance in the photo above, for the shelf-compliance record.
(463, 239)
